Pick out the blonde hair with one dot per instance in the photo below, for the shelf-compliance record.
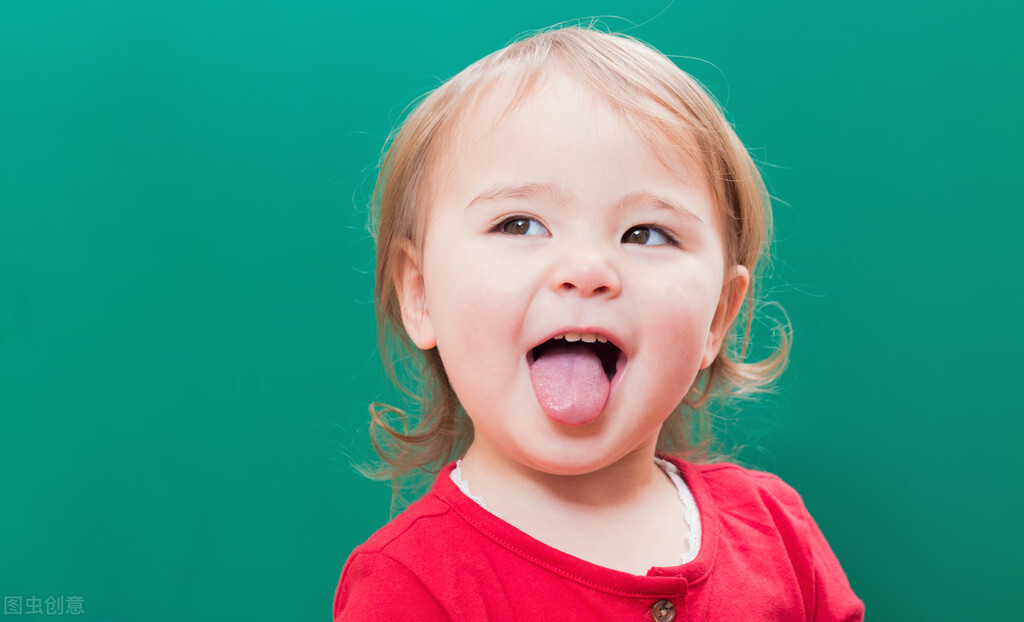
(674, 116)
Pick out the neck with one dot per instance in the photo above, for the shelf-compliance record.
(509, 486)
(625, 515)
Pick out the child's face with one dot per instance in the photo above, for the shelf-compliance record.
(560, 220)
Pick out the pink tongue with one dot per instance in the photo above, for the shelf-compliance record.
(570, 383)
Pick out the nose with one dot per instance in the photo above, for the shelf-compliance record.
(585, 272)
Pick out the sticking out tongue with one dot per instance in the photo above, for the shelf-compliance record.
(570, 383)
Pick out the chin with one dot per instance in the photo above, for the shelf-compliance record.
(582, 461)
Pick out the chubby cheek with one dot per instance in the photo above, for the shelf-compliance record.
(474, 314)
(676, 349)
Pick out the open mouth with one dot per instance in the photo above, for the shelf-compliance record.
(573, 375)
(607, 352)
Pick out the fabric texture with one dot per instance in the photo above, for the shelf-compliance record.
(690, 513)
(762, 557)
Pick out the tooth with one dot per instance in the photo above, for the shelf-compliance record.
(602, 339)
(562, 336)
(588, 337)
(572, 336)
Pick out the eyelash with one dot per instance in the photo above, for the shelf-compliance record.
(672, 239)
(499, 228)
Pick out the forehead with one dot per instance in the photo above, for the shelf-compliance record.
(565, 145)
(519, 109)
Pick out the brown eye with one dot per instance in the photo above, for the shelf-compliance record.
(637, 235)
(518, 226)
(649, 235)
(521, 226)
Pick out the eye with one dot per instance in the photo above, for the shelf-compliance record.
(520, 225)
(648, 235)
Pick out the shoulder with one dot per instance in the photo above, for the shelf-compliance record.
(759, 515)
(735, 487)
(734, 476)
(426, 514)
(757, 504)
(385, 571)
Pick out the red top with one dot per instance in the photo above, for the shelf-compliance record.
(762, 557)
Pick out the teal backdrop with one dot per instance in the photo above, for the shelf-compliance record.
(186, 327)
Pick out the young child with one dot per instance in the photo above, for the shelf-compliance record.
(566, 232)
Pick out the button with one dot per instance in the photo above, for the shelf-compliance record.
(663, 611)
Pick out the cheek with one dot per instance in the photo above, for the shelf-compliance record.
(682, 323)
(465, 290)
(681, 345)
(474, 311)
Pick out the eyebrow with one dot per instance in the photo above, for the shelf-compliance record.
(648, 198)
(501, 192)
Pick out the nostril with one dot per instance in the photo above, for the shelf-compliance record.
(585, 274)
(585, 288)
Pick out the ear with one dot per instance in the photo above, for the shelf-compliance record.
(734, 290)
(408, 280)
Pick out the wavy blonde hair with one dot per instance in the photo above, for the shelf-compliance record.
(674, 115)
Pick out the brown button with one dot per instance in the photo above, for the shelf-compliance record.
(663, 611)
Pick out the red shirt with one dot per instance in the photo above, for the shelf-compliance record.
(762, 557)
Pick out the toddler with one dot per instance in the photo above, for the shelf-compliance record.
(567, 232)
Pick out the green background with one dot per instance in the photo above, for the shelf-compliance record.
(186, 326)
